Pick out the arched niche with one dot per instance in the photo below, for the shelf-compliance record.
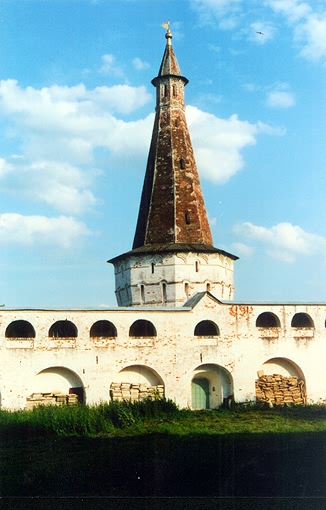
(142, 328)
(140, 374)
(206, 328)
(136, 382)
(20, 329)
(268, 320)
(103, 328)
(282, 366)
(280, 382)
(302, 320)
(58, 380)
(63, 329)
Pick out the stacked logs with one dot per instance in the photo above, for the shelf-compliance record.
(135, 392)
(278, 389)
(54, 399)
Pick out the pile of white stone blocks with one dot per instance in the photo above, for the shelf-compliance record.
(54, 399)
(135, 392)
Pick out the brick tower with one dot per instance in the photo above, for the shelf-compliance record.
(173, 256)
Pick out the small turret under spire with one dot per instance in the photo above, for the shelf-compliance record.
(169, 65)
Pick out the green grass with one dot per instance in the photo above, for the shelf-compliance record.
(154, 449)
(159, 416)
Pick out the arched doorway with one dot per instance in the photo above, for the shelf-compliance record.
(56, 385)
(137, 382)
(211, 386)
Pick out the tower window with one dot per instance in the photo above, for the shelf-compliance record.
(152, 267)
(165, 91)
(208, 287)
(142, 293)
(187, 289)
(182, 164)
(197, 266)
(187, 217)
(164, 294)
(174, 89)
(176, 122)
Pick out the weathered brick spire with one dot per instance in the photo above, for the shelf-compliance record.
(173, 257)
(172, 209)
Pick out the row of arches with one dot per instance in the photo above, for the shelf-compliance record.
(102, 328)
(270, 320)
(144, 328)
(209, 385)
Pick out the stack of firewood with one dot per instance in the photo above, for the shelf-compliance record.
(55, 399)
(135, 392)
(278, 389)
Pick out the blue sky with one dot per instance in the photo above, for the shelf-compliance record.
(76, 114)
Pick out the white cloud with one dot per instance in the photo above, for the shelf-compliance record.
(311, 35)
(218, 142)
(177, 30)
(284, 240)
(60, 129)
(294, 10)
(122, 99)
(110, 67)
(305, 19)
(140, 65)
(5, 168)
(309, 26)
(223, 12)
(278, 95)
(280, 99)
(212, 220)
(243, 249)
(60, 185)
(61, 232)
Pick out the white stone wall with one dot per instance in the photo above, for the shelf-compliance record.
(173, 357)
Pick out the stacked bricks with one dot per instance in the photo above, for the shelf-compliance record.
(277, 389)
(135, 392)
(54, 399)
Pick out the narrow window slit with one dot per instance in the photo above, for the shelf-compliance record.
(142, 293)
(164, 296)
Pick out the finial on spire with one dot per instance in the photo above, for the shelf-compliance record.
(168, 34)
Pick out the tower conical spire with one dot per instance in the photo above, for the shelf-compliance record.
(173, 256)
(172, 209)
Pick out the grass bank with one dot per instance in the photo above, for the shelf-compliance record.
(154, 449)
(159, 416)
